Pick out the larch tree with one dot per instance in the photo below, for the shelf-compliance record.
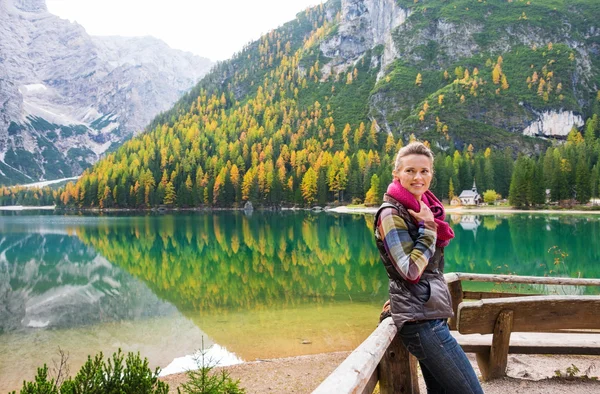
(309, 186)
(373, 195)
(496, 74)
(419, 80)
(234, 175)
(504, 82)
(170, 195)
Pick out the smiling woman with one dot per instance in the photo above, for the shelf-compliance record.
(186, 25)
(411, 234)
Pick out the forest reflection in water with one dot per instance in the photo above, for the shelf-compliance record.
(271, 283)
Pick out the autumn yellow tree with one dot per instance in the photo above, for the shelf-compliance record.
(496, 74)
(390, 144)
(358, 134)
(373, 195)
(234, 175)
(346, 133)
(504, 82)
(541, 87)
(309, 186)
(169, 194)
(372, 139)
(419, 80)
(247, 183)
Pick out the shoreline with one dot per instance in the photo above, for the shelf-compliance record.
(339, 209)
(363, 210)
(27, 208)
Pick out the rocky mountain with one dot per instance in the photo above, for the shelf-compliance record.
(67, 97)
(455, 48)
(462, 51)
(315, 110)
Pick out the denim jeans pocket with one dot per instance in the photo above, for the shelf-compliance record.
(442, 333)
(413, 345)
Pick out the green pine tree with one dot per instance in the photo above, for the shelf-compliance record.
(583, 187)
(538, 189)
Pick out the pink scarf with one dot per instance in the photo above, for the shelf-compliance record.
(404, 197)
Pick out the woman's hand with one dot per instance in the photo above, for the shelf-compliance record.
(424, 215)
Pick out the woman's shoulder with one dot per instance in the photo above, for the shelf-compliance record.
(391, 202)
(392, 208)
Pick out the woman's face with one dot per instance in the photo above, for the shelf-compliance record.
(415, 174)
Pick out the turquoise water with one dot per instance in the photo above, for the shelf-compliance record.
(264, 285)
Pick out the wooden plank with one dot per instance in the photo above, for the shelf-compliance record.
(532, 313)
(398, 370)
(481, 295)
(483, 362)
(500, 344)
(534, 343)
(456, 295)
(451, 277)
(523, 279)
(520, 341)
(354, 374)
(371, 383)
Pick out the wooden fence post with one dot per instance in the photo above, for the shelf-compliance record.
(492, 364)
(398, 370)
(456, 295)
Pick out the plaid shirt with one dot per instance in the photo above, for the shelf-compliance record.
(410, 258)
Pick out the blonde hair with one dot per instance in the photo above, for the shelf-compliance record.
(414, 148)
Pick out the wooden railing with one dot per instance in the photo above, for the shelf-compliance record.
(380, 358)
(383, 358)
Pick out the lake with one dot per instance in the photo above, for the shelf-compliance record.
(264, 285)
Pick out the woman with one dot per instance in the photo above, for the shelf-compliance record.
(411, 235)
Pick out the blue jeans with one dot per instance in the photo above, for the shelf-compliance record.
(445, 366)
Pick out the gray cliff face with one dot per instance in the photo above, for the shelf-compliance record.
(364, 24)
(67, 97)
(453, 42)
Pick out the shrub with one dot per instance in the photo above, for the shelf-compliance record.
(490, 197)
(41, 384)
(97, 376)
(204, 381)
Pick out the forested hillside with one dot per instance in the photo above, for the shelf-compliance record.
(314, 112)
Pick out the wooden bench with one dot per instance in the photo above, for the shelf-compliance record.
(497, 319)
(495, 324)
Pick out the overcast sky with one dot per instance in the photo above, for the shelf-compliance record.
(215, 29)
